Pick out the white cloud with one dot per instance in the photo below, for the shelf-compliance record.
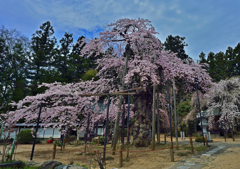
(178, 11)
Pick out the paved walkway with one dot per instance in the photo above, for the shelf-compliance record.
(200, 160)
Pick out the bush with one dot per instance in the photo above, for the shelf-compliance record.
(58, 143)
(199, 139)
(229, 135)
(101, 140)
(25, 137)
(73, 137)
(37, 141)
(196, 134)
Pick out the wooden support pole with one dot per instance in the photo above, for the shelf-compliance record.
(54, 151)
(128, 150)
(104, 153)
(175, 113)
(64, 140)
(171, 151)
(165, 138)
(120, 156)
(98, 140)
(206, 140)
(191, 143)
(154, 113)
(85, 147)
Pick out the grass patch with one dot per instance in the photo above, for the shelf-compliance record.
(201, 148)
(183, 153)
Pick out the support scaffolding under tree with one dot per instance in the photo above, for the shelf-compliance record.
(85, 95)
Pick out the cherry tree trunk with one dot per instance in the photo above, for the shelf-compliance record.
(143, 120)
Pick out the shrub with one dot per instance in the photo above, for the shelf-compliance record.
(196, 134)
(58, 143)
(229, 135)
(101, 140)
(73, 137)
(199, 139)
(37, 141)
(25, 137)
(187, 148)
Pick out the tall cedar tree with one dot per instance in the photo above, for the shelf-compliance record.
(41, 68)
(62, 59)
(176, 44)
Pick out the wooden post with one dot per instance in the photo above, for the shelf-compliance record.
(54, 151)
(171, 151)
(158, 122)
(120, 155)
(64, 143)
(175, 113)
(206, 140)
(225, 136)
(233, 133)
(98, 140)
(165, 137)
(123, 125)
(104, 153)
(85, 147)
(191, 143)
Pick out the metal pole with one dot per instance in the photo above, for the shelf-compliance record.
(196, 80)
(170, 114)
(105, 139)
(34, 141)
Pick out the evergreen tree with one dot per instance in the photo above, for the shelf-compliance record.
(237, 59)
(62, 59)
(212, 65)
(41, 68)
(78, 63)
(176, 44)
(202, 57)
(220, 67)
(230, 56)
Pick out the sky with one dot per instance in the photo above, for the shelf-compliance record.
(207, 25)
